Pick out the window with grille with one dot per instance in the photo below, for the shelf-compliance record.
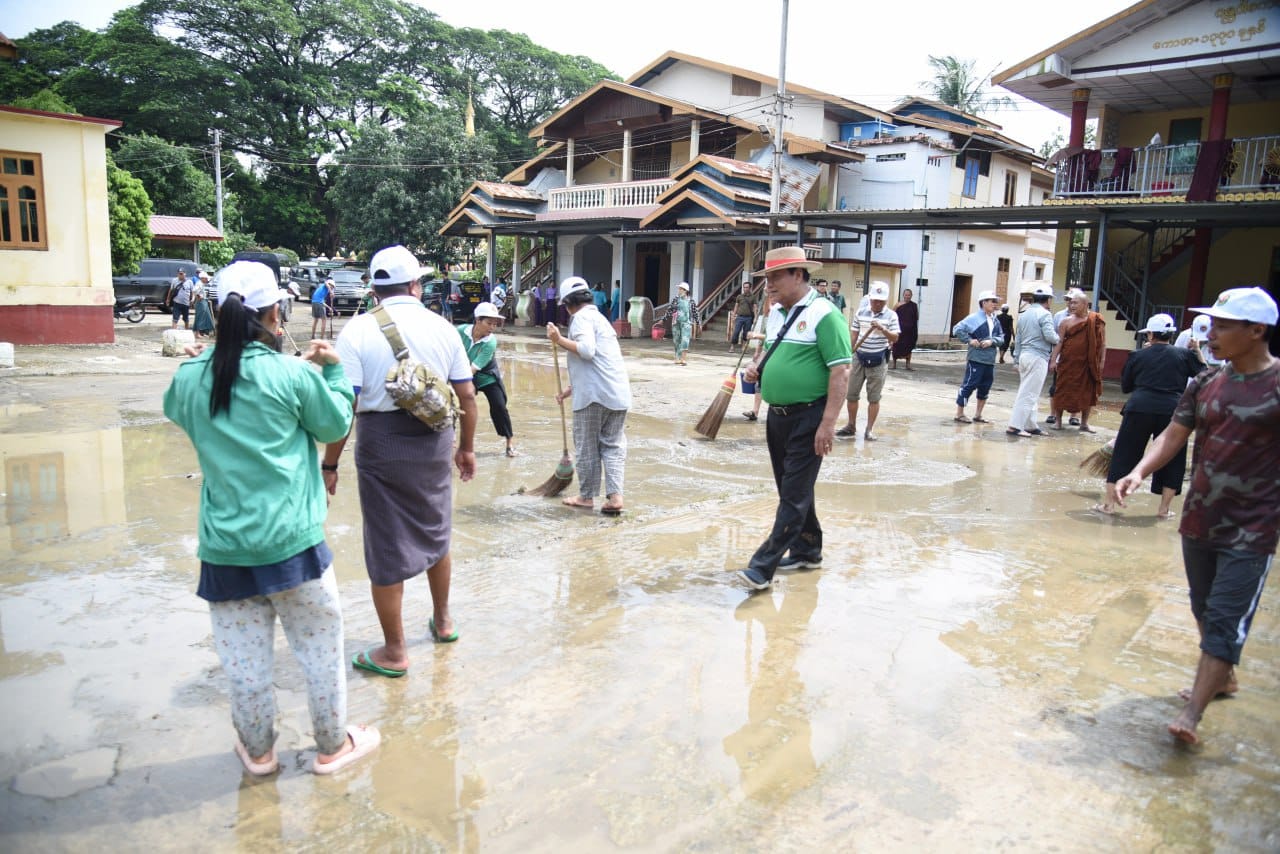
(22, 221)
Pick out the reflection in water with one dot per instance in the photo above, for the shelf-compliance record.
(773, 749)
(416, 778)
(59, 484)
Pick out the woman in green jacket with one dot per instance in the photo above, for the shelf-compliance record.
(254, 417)
(481, 346)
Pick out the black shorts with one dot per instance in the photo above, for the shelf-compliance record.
(1225, 586)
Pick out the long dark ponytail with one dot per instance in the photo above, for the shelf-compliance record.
(238, 326)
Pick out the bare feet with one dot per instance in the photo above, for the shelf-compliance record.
(578, 501)
(1229, 688)
(1105, 509)
(1183, 727)
(1085, 428)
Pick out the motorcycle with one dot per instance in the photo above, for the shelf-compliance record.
(130, 308)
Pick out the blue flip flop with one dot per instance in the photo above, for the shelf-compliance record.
(439, 638)
(364, 661)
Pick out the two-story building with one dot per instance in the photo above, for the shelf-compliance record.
(1187, 100)
(667, 178)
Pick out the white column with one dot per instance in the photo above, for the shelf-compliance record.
(696, 284)
(626, 155)
(491, 259)
(676, 250)
(515, 267)
(695, 132)
(568, 162)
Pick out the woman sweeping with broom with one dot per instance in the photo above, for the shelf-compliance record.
(601, 392)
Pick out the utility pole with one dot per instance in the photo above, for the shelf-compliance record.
(217, 173)
(775, 199)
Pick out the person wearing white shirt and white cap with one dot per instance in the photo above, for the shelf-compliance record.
(1194, 338)
(402, 464)
(873, 330)
(1033, 341)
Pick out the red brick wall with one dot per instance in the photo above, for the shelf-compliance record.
(57, 324)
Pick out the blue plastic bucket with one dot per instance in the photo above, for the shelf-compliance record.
(747, 387)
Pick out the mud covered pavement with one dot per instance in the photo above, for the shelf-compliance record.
(980, 663)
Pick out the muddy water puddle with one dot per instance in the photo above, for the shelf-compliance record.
(979, 663)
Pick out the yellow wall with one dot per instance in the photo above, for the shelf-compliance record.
(76, 268)
(1258, 119)
(598, 171)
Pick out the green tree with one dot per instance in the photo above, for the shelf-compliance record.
(174, 183)
(955, 84)
(1058, 141)
(47, 100)
(46, 58)
(218, 254)
(129, 215)
(398, 186)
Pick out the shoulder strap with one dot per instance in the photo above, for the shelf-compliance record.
(781, 334)
(389, 331)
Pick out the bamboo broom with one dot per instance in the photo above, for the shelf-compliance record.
(709, 424)
(1099, 462)
(563, 474)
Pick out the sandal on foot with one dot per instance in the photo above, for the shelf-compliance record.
(750, 416)
(611, 511)
(846, 432)
(364, 740)
(962, 419)
(257, 769)
(978, 419)
(439, 638)
(364, 661)
(1012, 432)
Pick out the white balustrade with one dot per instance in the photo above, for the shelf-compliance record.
(629, 194)
(1164, 170)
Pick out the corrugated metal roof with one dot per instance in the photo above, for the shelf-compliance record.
(183, 228)
(499, 190)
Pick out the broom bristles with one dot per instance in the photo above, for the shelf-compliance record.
(709, 424)
(559, 480)
(1099, 462)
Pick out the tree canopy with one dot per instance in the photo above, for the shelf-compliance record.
(128, 217)
(399, 185)
(293, 84)
(955, 84)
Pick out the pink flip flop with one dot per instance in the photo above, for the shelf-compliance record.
(364, 740)
(257, 769)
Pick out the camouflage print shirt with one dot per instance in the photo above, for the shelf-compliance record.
(1234, 498)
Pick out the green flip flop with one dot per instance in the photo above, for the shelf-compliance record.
(364, 661)
(439, 638)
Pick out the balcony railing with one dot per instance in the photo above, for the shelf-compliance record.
(1166, 170)
(630, 194)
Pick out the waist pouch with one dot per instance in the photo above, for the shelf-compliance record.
(871, 360)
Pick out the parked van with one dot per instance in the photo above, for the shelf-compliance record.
(152, 280)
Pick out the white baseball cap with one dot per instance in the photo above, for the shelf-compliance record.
(1160, 323)
(1252, 305)
(683, 286)
(253, 281)
(1200, 327)
(1042, 291)
(573, 285)
(486, 309)
(878, 290)
(987, 295)
(395, 265)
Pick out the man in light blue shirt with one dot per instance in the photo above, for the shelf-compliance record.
(1032, 344)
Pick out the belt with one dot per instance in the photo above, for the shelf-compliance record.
(793, 408)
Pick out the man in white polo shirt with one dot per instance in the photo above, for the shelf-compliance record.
(872, 332)
(402, 465)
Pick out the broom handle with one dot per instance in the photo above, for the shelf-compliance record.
(564, 426)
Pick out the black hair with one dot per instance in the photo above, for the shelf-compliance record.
(384, 291)
(238, 326)
(578, 298)
(1039, 298)
(1162, 336)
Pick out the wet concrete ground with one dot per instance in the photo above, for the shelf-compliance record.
(980, 664)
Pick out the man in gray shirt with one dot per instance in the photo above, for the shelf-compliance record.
(1032, 344)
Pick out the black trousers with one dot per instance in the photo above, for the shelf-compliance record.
(498, 409)
(795, 472)
(1136, 429)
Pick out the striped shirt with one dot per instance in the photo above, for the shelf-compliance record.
(877, 340)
